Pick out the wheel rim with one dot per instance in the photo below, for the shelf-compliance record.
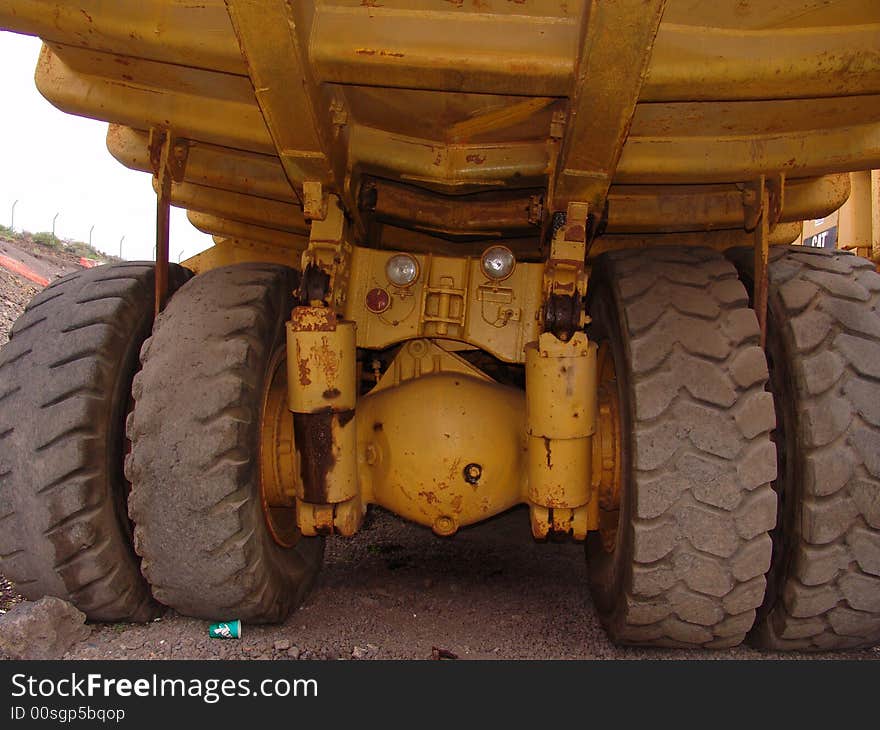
(278, 455)
(607, 448)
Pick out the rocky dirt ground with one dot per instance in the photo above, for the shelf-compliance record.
(396, 591)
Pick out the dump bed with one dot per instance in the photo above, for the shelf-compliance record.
(441, 122)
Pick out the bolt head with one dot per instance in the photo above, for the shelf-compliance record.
(472, 473)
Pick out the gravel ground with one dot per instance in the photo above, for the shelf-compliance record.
(15, 293)
(396, 591)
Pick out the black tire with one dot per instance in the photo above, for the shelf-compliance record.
(692, 546)
(823, 345)
(194, 464)
(66, 378)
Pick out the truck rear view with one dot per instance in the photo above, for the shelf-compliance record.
(467, 256)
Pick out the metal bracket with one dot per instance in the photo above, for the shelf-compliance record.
(754, 204)
(329, 252)
(168, 157)
(762, 205)
(565, 276)
(314, 201)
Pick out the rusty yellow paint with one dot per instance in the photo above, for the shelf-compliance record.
(560, 421)
(613, 65)
(455, 99)
(287, 245)
(245, 209)
(654, 116)
(554, 448)
(223, 168)
(322, 394)
(451, 299)
(474, 423)
(284, 86)
(719, 240)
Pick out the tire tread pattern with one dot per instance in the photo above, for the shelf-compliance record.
(702, 456)
(194, 464)
(829, 307)
(66, 374)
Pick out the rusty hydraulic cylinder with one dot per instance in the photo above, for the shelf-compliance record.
(561, 420)
(322, 392)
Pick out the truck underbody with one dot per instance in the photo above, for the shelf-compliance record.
(467, 256)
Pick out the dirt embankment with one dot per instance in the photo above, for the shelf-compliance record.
(396, 591)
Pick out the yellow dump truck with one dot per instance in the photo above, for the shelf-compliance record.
(468, 256)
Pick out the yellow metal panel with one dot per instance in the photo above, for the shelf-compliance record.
(772, 14)
(730, 93)
(720, 240)
(203, 105)
(272, 42)
(670, 208)
(448, 50)
(698, 62)
(617, 41)
(233, 251)
(225, 228)
(449, 167)
(472, 422)
(210, 165)
(243, 208)
(856, 217)
(736, 141)
(500, 317)
(174, 31)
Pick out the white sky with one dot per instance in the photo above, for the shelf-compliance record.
(52, 162)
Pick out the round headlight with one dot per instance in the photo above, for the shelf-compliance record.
(402, 269)
(498, 262)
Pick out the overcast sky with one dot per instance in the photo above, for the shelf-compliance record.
(52, 162)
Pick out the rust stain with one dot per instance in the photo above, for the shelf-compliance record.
(454, 469)
(377, 426)
(88, 17)
(547, 448)
(313, 435)
(331, 394)
(326, 358)
(303, 367)
(575, 233)
(381, 52)
(456, 503)
(457, 3)
(476, 159)
(430, 497)
(370, 4)
(313, 319)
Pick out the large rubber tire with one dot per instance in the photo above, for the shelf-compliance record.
(823, 345)
(194, 464)
(66, 377)
(692, 543)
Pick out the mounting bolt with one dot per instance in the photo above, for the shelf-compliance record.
(472, 473)
(445, 526)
